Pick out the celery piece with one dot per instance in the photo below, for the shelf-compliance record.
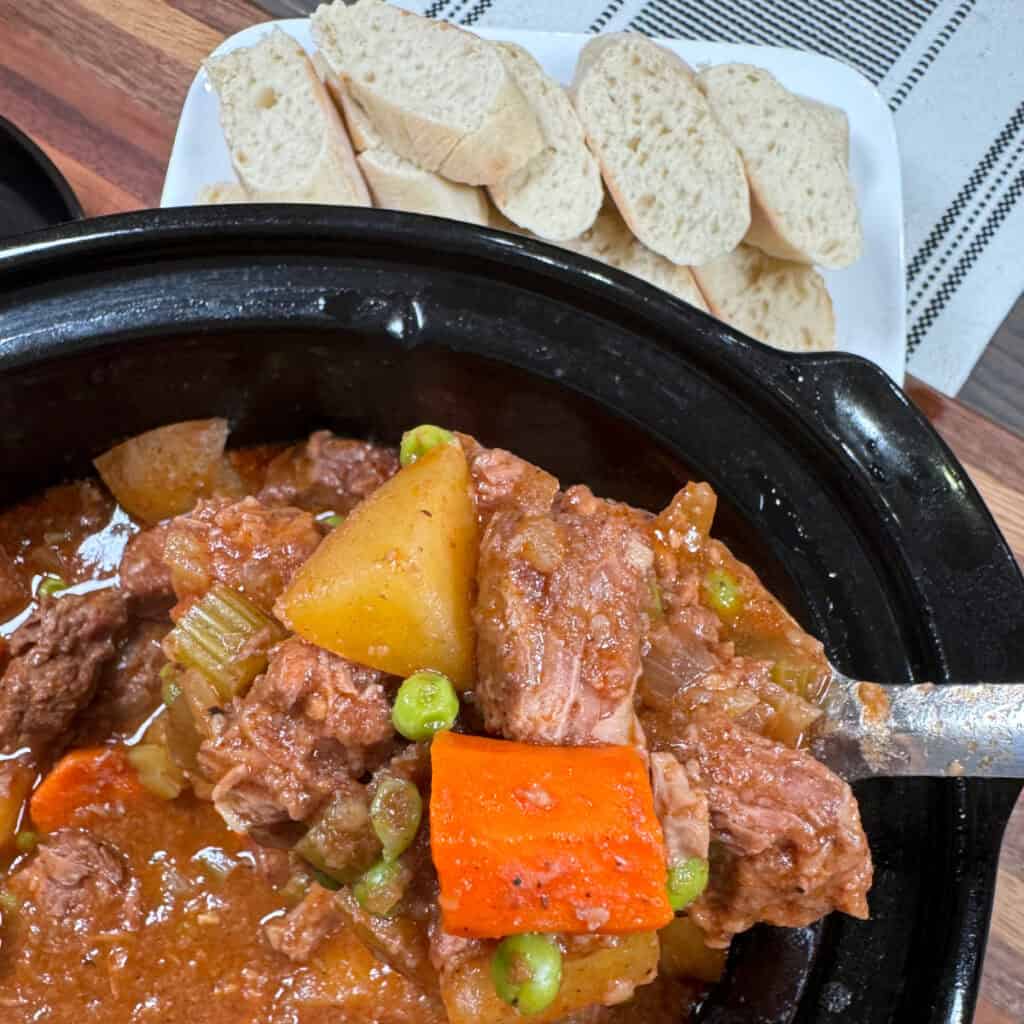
(381, 889)
(395, 814)
(226, 638)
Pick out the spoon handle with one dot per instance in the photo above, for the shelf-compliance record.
(974, 729)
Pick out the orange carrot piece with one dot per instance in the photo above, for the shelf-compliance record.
(83, 778)
(544, 839)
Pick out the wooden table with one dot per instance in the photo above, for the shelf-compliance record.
(99, 84)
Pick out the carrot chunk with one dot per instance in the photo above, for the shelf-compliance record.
(83, 778)
(544, 839)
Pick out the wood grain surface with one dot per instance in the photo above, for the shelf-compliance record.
(99, 84)
(996, 384)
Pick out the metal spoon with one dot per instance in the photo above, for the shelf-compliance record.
(868, 730)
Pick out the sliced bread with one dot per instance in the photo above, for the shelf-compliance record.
(222, 192)
(783, 304)
(670, 167)
(357, 121)
(803, 203)
(559, 191)
(435, 94)
(286, 139)
(398, 184)
(835, 126)
(611, 242)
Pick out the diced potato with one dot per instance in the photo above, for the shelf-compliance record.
(157, 770)
(607, 974)
(163, 472)
(350, 978)
(684, 954)
(391, 587)
(15, 782)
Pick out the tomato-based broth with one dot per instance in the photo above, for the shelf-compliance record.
(333, 732)
(175, 941)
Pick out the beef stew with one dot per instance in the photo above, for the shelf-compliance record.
(205, 768)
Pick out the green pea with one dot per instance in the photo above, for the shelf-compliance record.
(381, 888)
(26, 841)
(722, 593)
(426, 703)
(418, 441)
(395, 815)
(527, 972)
(50, 585)
(8, 902)
(686, 881)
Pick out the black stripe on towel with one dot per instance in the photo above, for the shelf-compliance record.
(606, 15)
(870, 35)
(928, 57)
(959, 273)
(435, 9)
(977, 178)
(965, 230)
(474, 15)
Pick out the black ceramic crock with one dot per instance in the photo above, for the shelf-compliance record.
(832, 484)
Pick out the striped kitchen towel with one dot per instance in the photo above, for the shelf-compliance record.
(952, 72)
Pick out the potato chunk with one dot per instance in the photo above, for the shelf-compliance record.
(606, 974)
(163, 472)
(391, 587)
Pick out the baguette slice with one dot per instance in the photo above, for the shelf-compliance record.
(398, 184)
(783, 304)
(437, 95)
(558, 193)
(803, 204)
(835, 127)
(357, 121)
(222, 192)
(286, 139)
(611, 242)
(670, 167)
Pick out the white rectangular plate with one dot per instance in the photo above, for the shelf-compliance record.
(868, 297)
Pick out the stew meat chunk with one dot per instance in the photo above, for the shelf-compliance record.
(561, 618)
(243, 544)
(327, 473)
(57, 656)
(128, 690)
(302, 929)
(145, 575)
(76, 877)
(253, 838)
(308, 726)
(788, 842)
